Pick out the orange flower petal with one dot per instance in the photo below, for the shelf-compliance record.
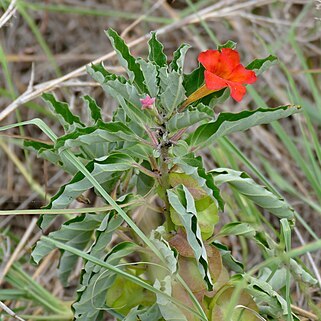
(223, 69)
(242, 75)
(214, 82)
(237, 90)
(209, 59)
(229, 59)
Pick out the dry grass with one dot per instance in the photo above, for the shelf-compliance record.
(62, 43)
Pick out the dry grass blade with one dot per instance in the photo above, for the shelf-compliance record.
(10, 312)
(19, 247)
(8, 14)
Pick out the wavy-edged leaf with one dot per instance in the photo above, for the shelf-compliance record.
(66, 118)
(189, 117)
(228, 44)
(163, 246)
(106, 171)
(95, 110)
(95, 280)
(302, 274)
(112, 132)
(268, 300)
(77, 233)
(193, 166)
(183, 203)
(150, 73)
(156, 51)
(228, 259)
(147, 314)
(227, 123)
(43, 150)
(260, 195)
(129, 99)
(168, 309)
(174, 93)
(260, 65)
(126, 59)
(177, 63)
(237, 229)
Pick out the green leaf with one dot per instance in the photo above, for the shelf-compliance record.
(177, 63)
(128, 97)
(77, 233)
(95, 110)
(189, 117)
(99, 73)
(147, 314)
(174, 93)
(227, 123)
(260, 65)
(193, 166)
(228, 259)
(156, 51)
(98, 134)
(168, 309)
(126, 59)
(260, 195)
(150, 73)
(183, 203)
(95, 280)
(163, 246)
(194, 80)
(229, 44)
(237, 229)
(106, 171)
(67, 119)
(268, 300)
(302, 274)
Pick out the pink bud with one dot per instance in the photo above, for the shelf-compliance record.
(147, 102)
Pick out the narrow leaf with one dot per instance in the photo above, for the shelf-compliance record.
(150, 73)
(174, 92)
(77, 233)
(126, 59)
(68, 120)
(168, 309)
(260, 195)
(183, 203)
(95, 110)
(177, 63)
(229, 44)
(98, 134)
(95, 280)
(237, 229)
(189, 117)
(156, 51)
(193, 166)
(106, 171)
(227, 123)
(129, 99)
(260, 65)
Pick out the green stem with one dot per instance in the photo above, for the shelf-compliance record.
(164, 184)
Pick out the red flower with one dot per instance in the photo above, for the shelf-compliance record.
(223, 69)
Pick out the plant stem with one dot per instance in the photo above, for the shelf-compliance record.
(164, 183)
